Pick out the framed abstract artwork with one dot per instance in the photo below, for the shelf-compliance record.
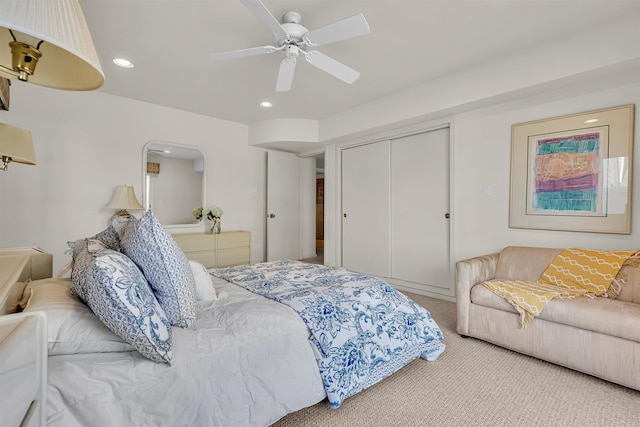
(573, 173)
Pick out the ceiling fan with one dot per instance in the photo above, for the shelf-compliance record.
(294, 39)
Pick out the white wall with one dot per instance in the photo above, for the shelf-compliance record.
(86, 143)
(481, 156)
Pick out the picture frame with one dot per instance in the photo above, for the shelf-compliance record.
(573, 172)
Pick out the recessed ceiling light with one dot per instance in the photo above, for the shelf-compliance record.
(592, 120)
(266, 104)
(124, 63)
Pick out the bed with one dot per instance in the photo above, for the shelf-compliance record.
(257, 341)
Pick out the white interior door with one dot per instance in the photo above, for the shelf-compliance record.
(365, 209)
(283, 206)
(419, 208)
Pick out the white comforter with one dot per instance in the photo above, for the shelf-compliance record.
(246, 362)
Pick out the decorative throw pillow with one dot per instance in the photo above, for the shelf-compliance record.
(164, 265)
(588, 270)
(80, 265)
(109, 237)
(72, 327)
(633, 262)
(204, 288)
(81, 259)
(118, 294)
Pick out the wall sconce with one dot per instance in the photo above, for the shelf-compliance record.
(15, 146)
(124, 198)
(52, 35)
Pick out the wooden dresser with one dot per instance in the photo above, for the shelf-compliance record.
(226, 249)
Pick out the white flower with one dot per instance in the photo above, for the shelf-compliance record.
(197, 212)
(211, 212)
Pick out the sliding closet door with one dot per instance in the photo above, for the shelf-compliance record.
(419, 208)
(365, 209)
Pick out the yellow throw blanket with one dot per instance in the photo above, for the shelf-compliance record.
(574, 273)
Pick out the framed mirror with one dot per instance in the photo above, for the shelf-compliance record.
(174, 182)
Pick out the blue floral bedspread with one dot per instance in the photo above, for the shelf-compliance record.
(363, 328)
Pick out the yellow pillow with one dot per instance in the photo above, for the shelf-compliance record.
(585, 270)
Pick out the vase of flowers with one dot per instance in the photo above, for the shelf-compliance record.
(212, 213)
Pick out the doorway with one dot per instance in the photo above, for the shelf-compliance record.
(320, 205)
(319, 212)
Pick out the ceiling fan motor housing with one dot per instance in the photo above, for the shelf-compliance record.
(294, 30)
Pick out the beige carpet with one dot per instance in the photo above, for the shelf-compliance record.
(474, 383)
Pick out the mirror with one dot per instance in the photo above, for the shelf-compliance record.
(174, 182)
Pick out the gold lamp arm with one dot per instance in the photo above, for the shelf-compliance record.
(5, 160)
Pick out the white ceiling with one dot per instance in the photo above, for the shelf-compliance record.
(411, 42)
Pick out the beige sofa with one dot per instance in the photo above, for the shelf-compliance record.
(598, 336)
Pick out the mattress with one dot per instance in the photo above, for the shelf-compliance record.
(247, 361)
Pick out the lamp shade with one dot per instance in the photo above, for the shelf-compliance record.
(58, 31)
(124, 198)
(16, 145)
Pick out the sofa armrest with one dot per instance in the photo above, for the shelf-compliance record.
(470, 272)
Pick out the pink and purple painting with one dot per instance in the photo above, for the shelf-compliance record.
(566, 173)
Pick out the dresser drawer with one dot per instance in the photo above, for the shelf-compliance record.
(216, 250)
(230, 257)
(234, 239)
(195, 242)
(206, 258)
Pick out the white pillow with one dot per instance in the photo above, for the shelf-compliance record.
(204, 288)
(71, 326)
(218, 282)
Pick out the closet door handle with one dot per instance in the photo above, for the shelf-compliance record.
(344, 215)
(271, 215)
(447, 216)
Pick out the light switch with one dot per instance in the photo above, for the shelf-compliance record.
(485, 190)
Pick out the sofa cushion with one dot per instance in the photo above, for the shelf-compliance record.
(603, 315)
(524, 263)
(630, 290)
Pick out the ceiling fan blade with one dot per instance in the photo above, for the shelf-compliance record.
(331, 66)
(263, 14)
(243, 53)
(285, 74)
(346, 28)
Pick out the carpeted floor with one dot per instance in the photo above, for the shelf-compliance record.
(474, 383)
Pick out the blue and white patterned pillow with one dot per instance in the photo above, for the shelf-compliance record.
(117, 292)
(164, 265)
(109, 237)
(81, 259)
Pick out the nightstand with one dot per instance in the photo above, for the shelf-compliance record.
(23, 369)
(39, 265)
